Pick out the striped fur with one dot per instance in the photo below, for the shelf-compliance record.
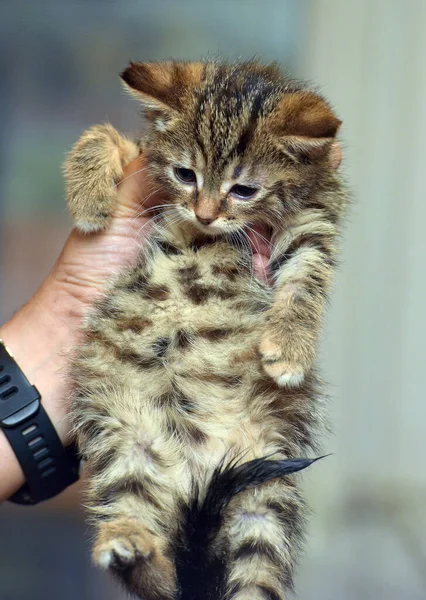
(189, 358)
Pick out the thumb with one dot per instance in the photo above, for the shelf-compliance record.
(136, 190)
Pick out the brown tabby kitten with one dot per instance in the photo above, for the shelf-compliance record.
(196, 383)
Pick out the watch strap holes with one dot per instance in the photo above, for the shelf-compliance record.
(29, 429)
(9, 392)
(4, 379)
(46, 462)
(35, 441)
(49, 471)
(40, 454)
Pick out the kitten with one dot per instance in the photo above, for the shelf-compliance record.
(196, 381)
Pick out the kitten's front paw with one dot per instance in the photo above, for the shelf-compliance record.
(92, 170)
(90, 206)
(93, 225)
(285, 372)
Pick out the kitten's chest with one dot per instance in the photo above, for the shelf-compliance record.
(182, 311)
(208, 284)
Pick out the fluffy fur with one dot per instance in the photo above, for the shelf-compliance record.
(189, 358)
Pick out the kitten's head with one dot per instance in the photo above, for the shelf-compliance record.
(233, 143)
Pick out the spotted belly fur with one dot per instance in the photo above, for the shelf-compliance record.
(175, 342)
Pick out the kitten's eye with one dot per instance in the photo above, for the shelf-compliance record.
(185, 175)
(243, 191)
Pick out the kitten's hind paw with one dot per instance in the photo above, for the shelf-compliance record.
(285, 373)
(120, 553)
(134, 554)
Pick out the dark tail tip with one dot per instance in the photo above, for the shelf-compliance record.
(200, 566)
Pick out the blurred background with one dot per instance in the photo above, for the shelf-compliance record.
(59, 62)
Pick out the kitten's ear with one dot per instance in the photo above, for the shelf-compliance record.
(305, 124)
(162, 86)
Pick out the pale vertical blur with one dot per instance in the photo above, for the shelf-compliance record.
(58, 74)
(369, 58)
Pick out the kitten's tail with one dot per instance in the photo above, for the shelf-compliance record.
(201, 568)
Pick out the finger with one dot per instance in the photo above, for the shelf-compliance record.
(137, 189)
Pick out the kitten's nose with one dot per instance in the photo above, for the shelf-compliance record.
(205, 220)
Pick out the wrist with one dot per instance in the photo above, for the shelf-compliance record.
(11, 474)
(41, 336)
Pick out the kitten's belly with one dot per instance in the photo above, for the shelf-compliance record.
(183, 339)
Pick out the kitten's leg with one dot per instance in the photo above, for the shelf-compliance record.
(303, 265)
(264, 529)
(130, 488)
(133, 519)
(92, 170)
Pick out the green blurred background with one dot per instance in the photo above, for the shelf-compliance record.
(58, 74)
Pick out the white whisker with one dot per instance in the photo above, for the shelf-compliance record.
(131, 175)
(256, 233)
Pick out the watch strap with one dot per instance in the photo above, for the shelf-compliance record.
(48, 467)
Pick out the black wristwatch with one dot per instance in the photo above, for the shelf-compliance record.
(48, 467)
